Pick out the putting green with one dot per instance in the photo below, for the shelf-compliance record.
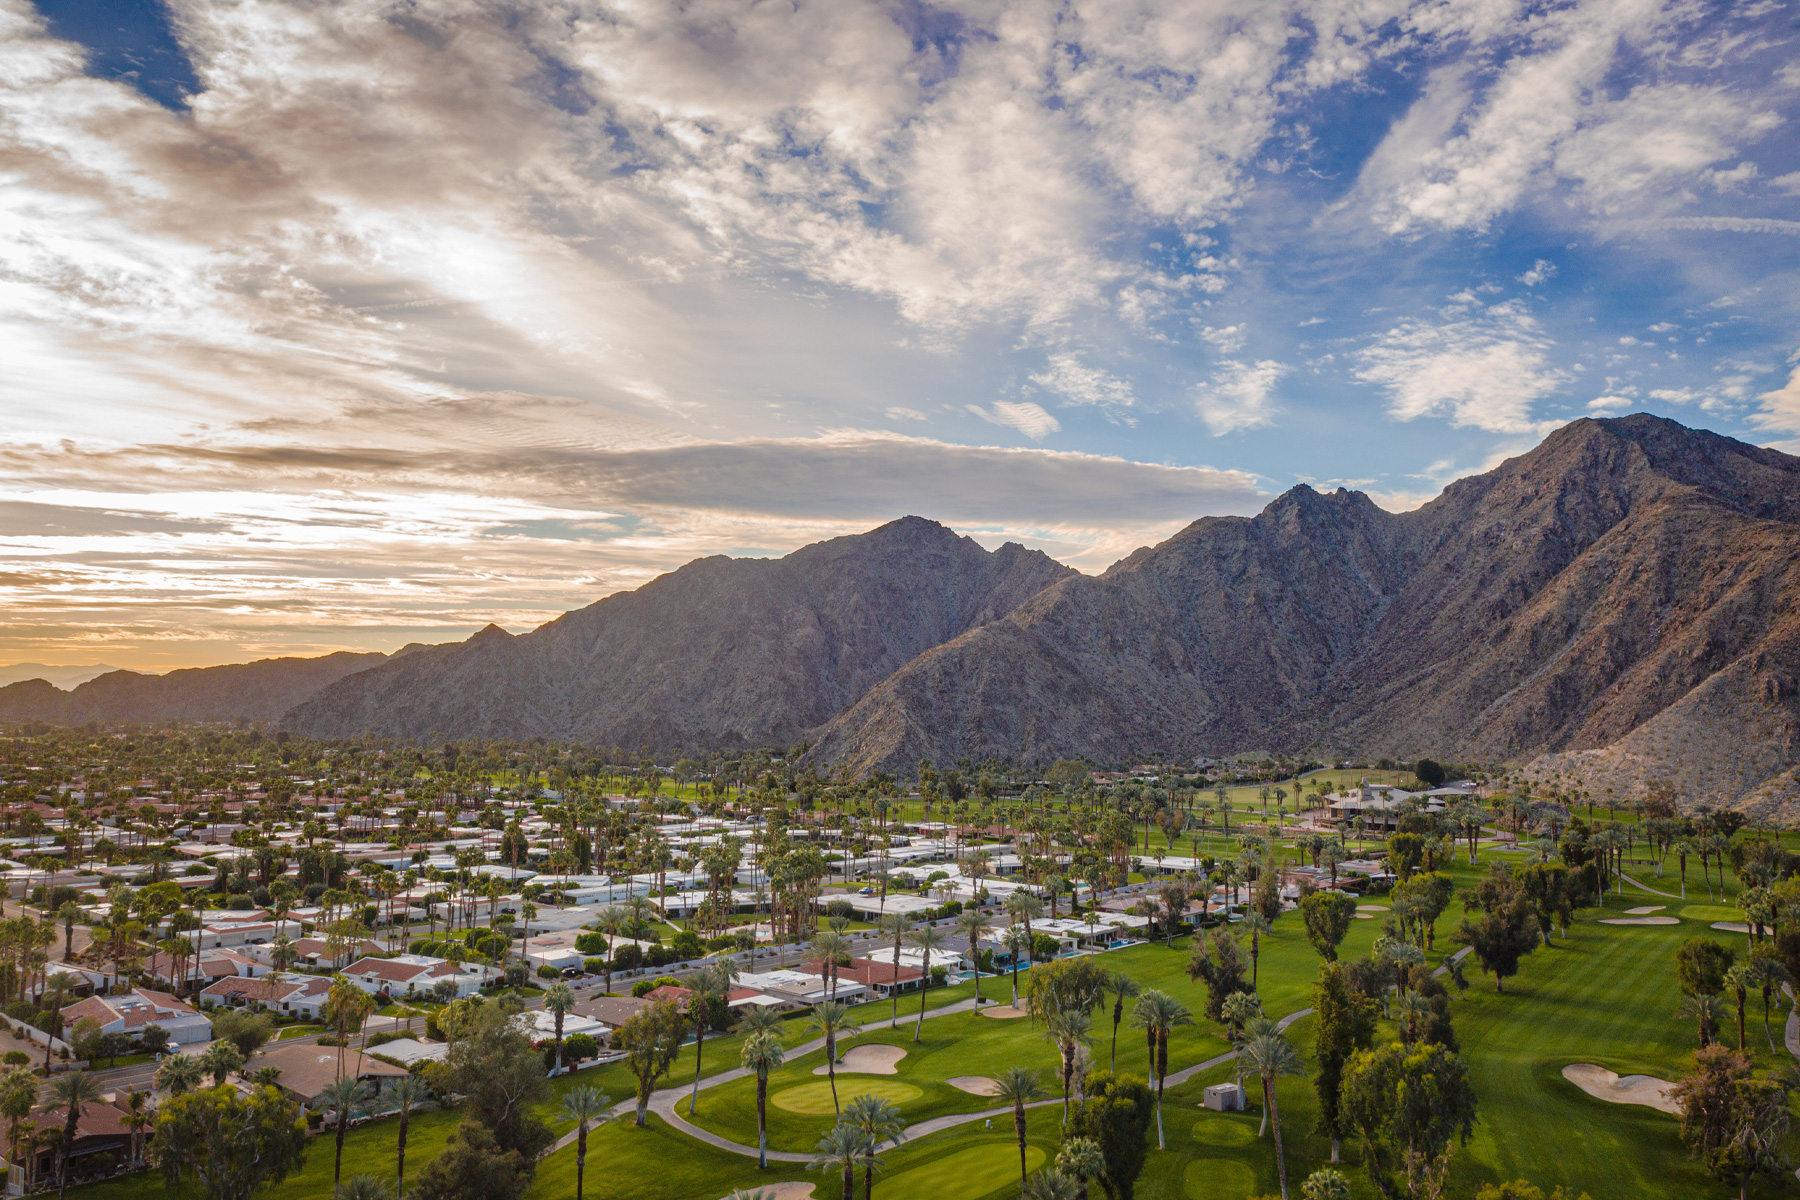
(814, 1099)
(972, 1172)
(1711, 912)
(1205, 1178)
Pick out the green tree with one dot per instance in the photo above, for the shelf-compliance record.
(1269, 1056)
(502, 1081)
(72, 1091)
(407, 1096)
(711, 988)
(1328, 916)
(1159, 1014)
(1122, 987)
(1018, 1087)
(842, 1149)
(1407, 1103)
(347, 1099)
(1218, 962)
(1701, 964)
(473, 1166)
(1080, 1159)
(1346, 1024)
(1735, 1124)
(586, 1106)
(231, 1144)
(762, 1053)
(559, 999)
(249, 1032)
(927, 938)
(221, 1059)
(179, 1074)
(1116, 1117)
(1505, 932)
(879, 1122)
(651, 1039)
(1325, 1184)
(831, 1020)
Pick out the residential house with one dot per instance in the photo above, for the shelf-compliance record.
(307, 1070)
(131, 1013)
(301, 996)
(414, 974)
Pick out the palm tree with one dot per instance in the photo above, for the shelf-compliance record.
(973, 924)
(842, 1150)
(1017, 940)
(73, 1091)
(139, 1117)
(1707, 1011)
(1052, 1184)
(364, 1187)
(1258, 925)
(1270, 1056)
(1740, 981)
(1068, 1028)
(1770, 975)
(179, 1074)
(1018, 1086)
(897, 926)
(612, 922)
(879, 1123)
(711, 982)
(221, 1058)
(1081, 1160)
(1123, 987)
(831, 1020)
(1411, 1010)
(927, 939)
(1158, 1014)
(345, 1095)
(68, 912)
(1325, 1184)
(762, 1053)
(831, 947)
(1022, 906)
(585, 1106)
(407, 1095)
(559, 998)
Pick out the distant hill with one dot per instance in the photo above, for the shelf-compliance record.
(722, 652)
(257, 690)
(62, 677)
(1619, 604)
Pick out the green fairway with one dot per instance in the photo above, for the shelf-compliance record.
(972, 1172)
(816, 1100)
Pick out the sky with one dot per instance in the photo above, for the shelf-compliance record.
(343, 325)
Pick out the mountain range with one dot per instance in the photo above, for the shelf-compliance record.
(1618, 604)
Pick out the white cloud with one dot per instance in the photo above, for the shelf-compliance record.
(1229, 340)
(1483, 367)
(1540, 271)
(1078, 383)
(1780, 409)
(1024, 416)
(1731, 225)
(1789, 183)
(1238, 396)
(899, 413)
(1609, 404)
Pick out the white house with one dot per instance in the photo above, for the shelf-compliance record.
(131, 1013)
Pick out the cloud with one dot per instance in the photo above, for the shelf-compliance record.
(1731, 225)
(1024, 416)
(1078, 383)
(1540, 272)
(1238, 396)
(1606, 405)
(1780, 408)
(1484, 367)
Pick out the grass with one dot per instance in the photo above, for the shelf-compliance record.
(294, 1031)
(817, 1099)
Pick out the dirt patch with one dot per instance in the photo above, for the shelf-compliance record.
(1645, 911)
(1603, 1084)
(1640, 920)
(867, 1060)
(975, 1085)
(1004, 1012)
(793, 1189)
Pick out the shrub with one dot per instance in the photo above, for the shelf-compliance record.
(17, 1058)
(687, 945)
(383, 1038)
(594, 966)
(240, 902)
(580, 1046)
(332, 1039)
(591, 943)
(628, 957)
(548, 972)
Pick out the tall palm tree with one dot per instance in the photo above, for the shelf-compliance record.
(973, 924)
(1022, 906)
(928, 938)
(586, 1106)
(1158, 1014)
(1411, 1010)
(879, 1122)
(139, 1117)
(179, 1074)
(1018, 1086)
(1271, 1056)
(831, 1020)
(559, 998)
(843, 1150)
(1257, 925)
(711, 982)
(897, 926)
(831, 946)
(1068, 1028)
(762, 1053)
(73, 1091)
(1081, 1160)
(1017, 940)
(612, 922)
(407, 1095)
(1123, 987)
(1707, 1011)
(346, 1095)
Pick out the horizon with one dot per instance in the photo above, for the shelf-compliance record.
(477, 319)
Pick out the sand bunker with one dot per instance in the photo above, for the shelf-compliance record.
(1731, 927)
(1603, 1084)
(1004, 1012)
(1371, 908)
(1640, 920)
(794, 1189)
(1645, 911)
(975, 1085)
(867, 1060)
(1364, 916)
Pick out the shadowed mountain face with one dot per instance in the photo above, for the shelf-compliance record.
(722, 652)
(1624, 573)
(258, 691)
(1619, 604)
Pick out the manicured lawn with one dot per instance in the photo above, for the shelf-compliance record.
(294, 1031)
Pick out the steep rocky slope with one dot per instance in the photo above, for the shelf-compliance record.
(1625, 579)
(720, 652)
(257, 690)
